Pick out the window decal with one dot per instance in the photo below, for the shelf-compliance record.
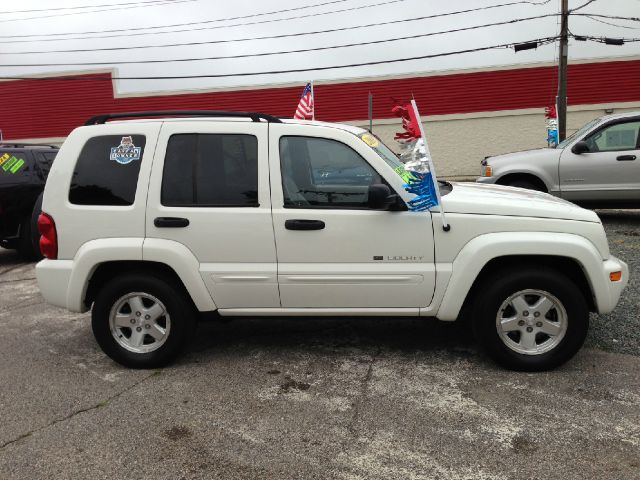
(11, 164)
(126, 152)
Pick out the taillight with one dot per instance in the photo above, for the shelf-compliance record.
(48, 236)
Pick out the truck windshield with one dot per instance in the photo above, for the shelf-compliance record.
(386, 154)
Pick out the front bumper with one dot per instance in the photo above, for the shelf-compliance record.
(490, 180)
(608, 300)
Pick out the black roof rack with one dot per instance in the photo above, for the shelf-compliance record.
(255, 116)
(22, 145)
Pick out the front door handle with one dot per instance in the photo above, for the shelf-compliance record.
(623, 158)
(171, 222)
(304, 224)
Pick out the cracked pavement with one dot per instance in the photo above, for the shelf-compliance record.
(315, 398)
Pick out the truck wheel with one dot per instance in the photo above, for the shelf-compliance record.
(25, 241)
(142, 321)
(29, 239)
(532, 320)
(525, 184)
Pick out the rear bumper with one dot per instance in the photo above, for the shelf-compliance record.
(608, 300)
(54, 278)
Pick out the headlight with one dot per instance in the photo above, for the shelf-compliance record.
(487, 171)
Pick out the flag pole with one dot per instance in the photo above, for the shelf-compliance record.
(370, 112)
(445, 226)
(313, 99)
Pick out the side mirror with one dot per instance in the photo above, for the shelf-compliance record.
(580, 148)
(380, 196)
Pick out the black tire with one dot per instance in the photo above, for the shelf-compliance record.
(178, 307)
(528, 184)
(29, 239)
(499, 287)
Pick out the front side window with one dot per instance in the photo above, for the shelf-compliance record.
(618, 137)
(211, 170)
(324, 173)
(578, 133)
(107, 169)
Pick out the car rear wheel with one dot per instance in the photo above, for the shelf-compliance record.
(142, 321)
(532, 320)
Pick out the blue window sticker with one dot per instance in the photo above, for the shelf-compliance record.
(126, 152)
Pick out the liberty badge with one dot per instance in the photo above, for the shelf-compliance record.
(126, 152)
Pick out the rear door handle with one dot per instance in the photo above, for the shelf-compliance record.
(171, 222)
(623, 158)
(304, 224)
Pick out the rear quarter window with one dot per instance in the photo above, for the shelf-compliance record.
(107, 170)
(15, 166)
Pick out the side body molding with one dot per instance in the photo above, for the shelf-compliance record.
(184, 263)
(484, 248)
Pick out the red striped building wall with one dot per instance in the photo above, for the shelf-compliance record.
(53, 107)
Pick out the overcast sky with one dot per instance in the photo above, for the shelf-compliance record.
(36, 31)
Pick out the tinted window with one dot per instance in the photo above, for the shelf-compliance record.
(621, 136)
(15, 166)
(211, 170)
(318, 172)
(44, 161)
(107, 171)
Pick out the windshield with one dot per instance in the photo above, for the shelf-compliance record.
(577, 133)
(386, 154)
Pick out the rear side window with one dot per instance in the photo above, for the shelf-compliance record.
(107, 171)
(14, 165)
(45, 160)
(211, 170)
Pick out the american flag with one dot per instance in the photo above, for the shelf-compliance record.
(305, 107)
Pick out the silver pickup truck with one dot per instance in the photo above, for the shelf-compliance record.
(597, 166)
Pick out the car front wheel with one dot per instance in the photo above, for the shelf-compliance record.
(531, 320)
(142, 321)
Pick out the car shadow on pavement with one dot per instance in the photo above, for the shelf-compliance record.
(402, 335)
(9, 260)
(631, 217)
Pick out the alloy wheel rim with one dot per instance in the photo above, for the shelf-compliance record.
(531, 322)
(139, 322)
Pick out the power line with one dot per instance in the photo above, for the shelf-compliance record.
(605, 40)
(332, 47)
(246, 39)
(78, 7)
(611, 24)
(387, 2)
(581, 6)
(539, 41)
(330, 2)
(613, 17)
(157, 3)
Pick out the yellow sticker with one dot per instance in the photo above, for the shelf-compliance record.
(370, 140)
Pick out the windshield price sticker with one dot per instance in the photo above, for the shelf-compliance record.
(370, 140)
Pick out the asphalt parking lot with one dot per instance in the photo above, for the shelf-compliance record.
(316, 398)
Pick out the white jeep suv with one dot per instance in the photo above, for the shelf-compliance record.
(151, 222)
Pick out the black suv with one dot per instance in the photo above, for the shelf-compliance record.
(23, 173)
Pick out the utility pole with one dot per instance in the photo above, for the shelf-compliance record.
(561, 99)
